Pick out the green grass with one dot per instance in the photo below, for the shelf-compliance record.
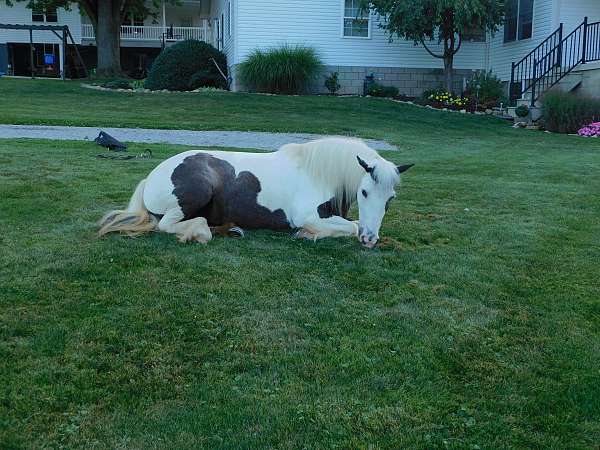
(66, 103)
(475, 326)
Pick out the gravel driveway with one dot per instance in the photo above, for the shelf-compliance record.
(237, 139)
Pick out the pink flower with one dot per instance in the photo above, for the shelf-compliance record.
(591, 130)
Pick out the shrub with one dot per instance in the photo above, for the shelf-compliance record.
(487, 88)
(568, 113)
(137, 84)
(522, 111)
(377, 90)
(332, 83)
(117, 84)
(282, 70)
(186, 66)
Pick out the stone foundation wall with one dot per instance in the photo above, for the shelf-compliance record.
(409, 81)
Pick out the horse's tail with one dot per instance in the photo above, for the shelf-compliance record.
(133, 221)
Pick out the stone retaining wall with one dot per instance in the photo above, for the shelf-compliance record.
(409, 81)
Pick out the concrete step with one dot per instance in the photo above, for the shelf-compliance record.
(570, 82)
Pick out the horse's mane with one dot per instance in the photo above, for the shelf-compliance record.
(332, 164)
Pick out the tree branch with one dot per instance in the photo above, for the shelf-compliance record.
(90, 8)
(459, 44)
(429, 51)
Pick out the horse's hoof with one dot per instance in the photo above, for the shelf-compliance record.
(235, 232)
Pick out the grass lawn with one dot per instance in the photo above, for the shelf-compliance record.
(44, 102)
(476, 325)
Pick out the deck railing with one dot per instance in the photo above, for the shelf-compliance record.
(156, 33)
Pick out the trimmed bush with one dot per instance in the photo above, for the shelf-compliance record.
(568, 113)
(378, 90)
(187, 66)
(487, 88)
(332, 83)
(522, 111)
(282, 70)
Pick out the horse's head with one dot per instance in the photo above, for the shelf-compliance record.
(375, 192)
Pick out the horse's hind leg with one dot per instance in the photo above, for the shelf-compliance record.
(186, 230)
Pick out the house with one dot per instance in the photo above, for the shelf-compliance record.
(348, 41)
(142, 38)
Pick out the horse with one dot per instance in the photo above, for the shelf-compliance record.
(307, 187)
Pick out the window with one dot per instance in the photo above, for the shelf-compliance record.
(218, 41)
(47, 15)
(525, 19)
(51, 15)
(229, 17)
(518, 21)
(37, 15)
(132, 18)
(474, 34)
(355, 20)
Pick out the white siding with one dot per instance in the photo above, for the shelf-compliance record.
(318, 23)
(572, 12)
(19, 14)
(220, 9)
(503, 54)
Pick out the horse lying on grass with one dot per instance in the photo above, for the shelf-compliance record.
(309, 187)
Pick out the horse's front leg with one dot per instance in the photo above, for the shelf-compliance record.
(334, 226)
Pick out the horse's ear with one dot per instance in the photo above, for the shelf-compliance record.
(364, 164)
(404, 168)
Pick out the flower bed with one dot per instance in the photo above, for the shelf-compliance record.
(445, 100)
(591, 130)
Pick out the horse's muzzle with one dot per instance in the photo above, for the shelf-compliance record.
(368, 240)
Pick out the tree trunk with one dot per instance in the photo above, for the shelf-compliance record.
(449, 72)
(108, 38)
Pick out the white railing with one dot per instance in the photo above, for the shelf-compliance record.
(156, 33)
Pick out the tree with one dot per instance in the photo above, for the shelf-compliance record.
(106, 17)
(424, 21)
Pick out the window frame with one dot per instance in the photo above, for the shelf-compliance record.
(369, 20)
(230, 17)
(474, 35)
(44, 16)
(519, 22)
(222, 31)
(132, 19)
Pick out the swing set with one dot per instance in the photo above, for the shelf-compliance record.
(65, 34)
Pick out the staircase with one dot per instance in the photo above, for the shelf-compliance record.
(552, 61)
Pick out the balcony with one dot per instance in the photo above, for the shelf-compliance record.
(157, 34)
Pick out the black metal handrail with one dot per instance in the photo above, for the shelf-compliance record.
(523, 71)
(553, 59)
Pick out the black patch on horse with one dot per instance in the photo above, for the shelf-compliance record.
(207, 187)
(330, 207)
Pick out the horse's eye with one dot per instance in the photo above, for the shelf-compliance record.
(364, 193)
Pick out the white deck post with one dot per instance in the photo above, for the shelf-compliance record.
(61, 59)
(205, 33)
(164, 18)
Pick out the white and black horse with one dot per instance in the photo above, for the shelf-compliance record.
(309, 187)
